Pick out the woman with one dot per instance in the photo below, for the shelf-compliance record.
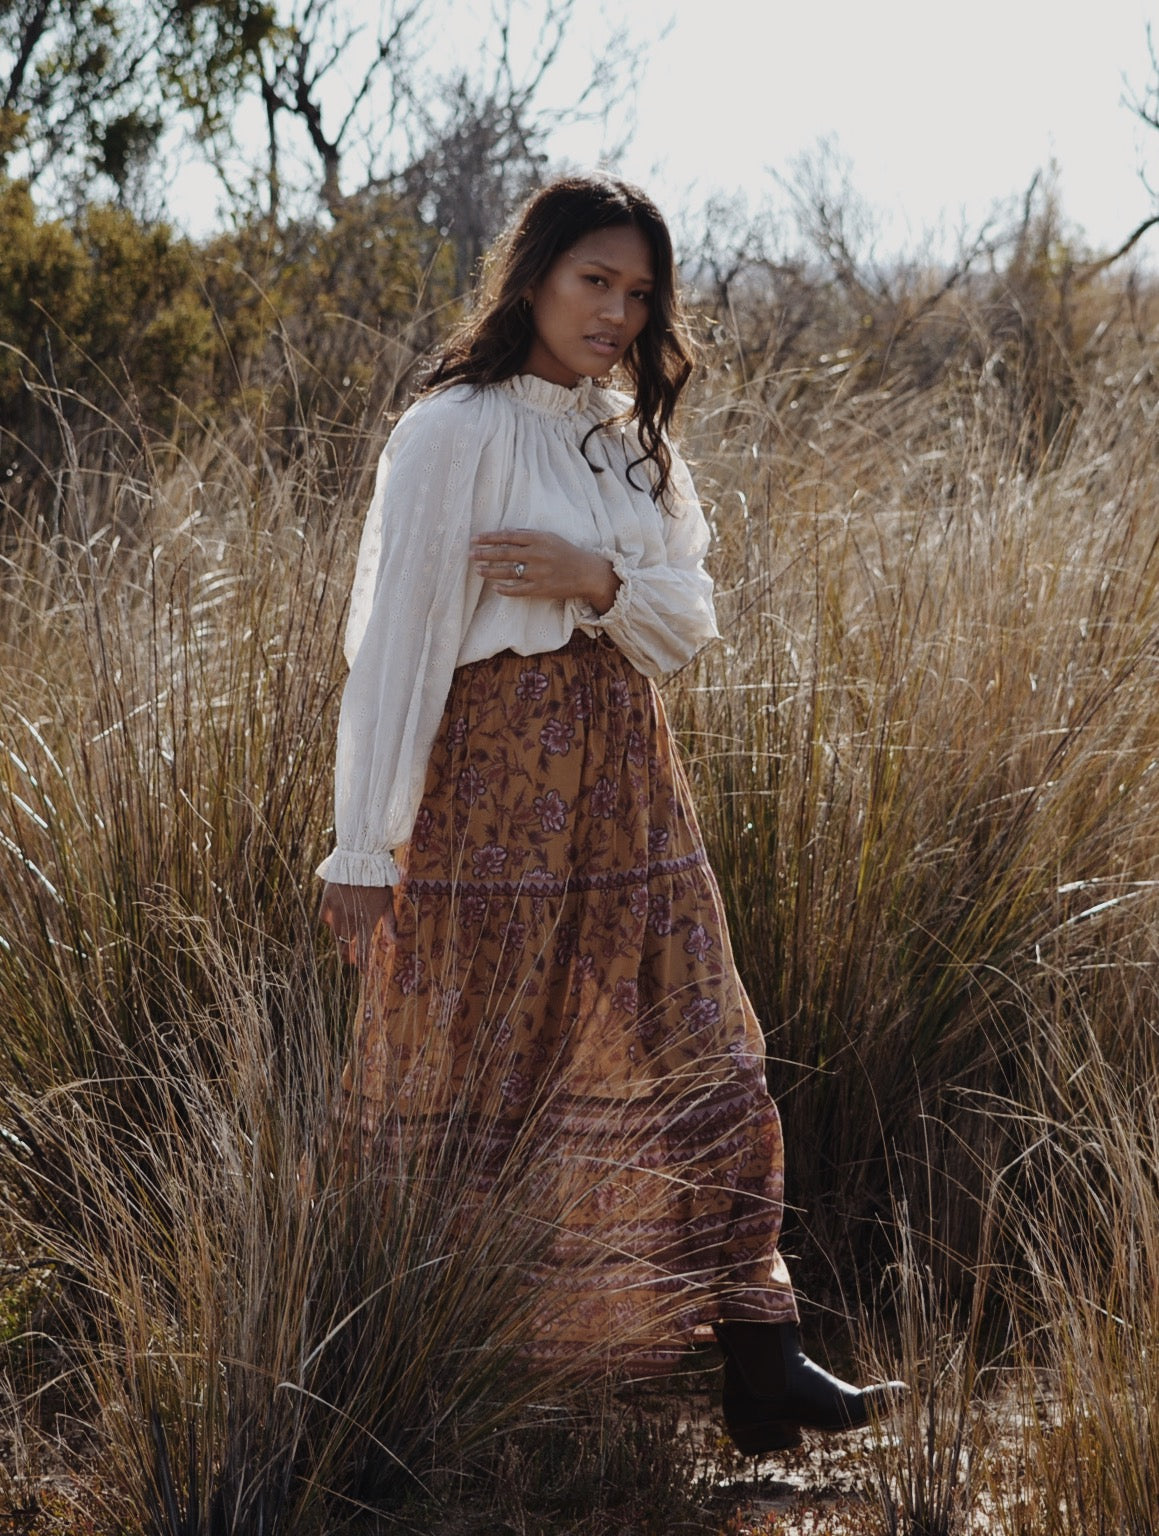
(519, 873)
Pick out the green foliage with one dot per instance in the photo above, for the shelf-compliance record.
(89, 85)
(120, 327)
(326, 319)
(64, 72)
(106, 309)
(209, 51)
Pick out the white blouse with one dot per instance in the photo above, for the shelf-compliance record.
(470, 460)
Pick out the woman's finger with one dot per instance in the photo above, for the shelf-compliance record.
(513, 576)
(518, 538)
(501, 549)
(510, 565)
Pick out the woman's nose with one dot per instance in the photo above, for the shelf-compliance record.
(613, 306)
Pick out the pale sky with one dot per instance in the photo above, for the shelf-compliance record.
(943, 111)
(941, 108)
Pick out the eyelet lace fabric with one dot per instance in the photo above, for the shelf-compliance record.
(470, 460)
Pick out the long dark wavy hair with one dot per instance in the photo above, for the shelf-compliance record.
(492, 343)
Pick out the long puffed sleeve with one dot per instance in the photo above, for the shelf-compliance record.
(413, 596)
(663, 613)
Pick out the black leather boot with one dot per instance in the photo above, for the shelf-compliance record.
(772, 1390)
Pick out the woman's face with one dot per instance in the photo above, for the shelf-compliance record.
(591, 305)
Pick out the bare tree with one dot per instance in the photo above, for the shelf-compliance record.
(87, 87)
(67, 79)
(835, 220)
(1146, 109)
(478, 139)
(352, 107)
(301, 62)
(462, 147)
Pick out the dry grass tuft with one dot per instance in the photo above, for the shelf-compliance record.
(926, 771)
(925, 766)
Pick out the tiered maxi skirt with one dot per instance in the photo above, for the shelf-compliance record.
(562, 983)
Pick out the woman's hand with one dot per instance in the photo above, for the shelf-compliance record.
(521, 562)
(352, 912)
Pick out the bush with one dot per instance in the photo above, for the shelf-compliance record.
(124, 329)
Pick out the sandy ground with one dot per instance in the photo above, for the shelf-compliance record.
(824, 1486)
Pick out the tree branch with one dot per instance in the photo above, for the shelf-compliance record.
(1091, 269)
(30, 36)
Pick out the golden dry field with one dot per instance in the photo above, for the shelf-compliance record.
(925, 758)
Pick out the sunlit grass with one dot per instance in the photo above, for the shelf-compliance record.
(925, 765)
(263, 1325)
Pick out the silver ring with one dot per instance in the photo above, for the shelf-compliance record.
(519, 570)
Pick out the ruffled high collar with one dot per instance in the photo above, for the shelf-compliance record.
(551, 399)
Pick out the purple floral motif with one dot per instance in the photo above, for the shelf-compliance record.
(531, 686)
(603, 798)
(410, 974)
(540, 1057)
(619, 694)
(552, 811)
(514, 1086)
(744, 1058)
(636, 752)
(457, 735)
(565, 943)
(701, 1013)
(698, 943)
(556, 737)
(423, 827)
(648, 1027)
(474, 907)
(660, 915)
(579, 697)
(514, 936)
(472, 786)
(583, 970)
(503, 1031)
(446, 1004)
(626, 996)
(638, 902)
(487, 862)
(657, 840)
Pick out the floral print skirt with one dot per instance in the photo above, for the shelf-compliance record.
(562, 985)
